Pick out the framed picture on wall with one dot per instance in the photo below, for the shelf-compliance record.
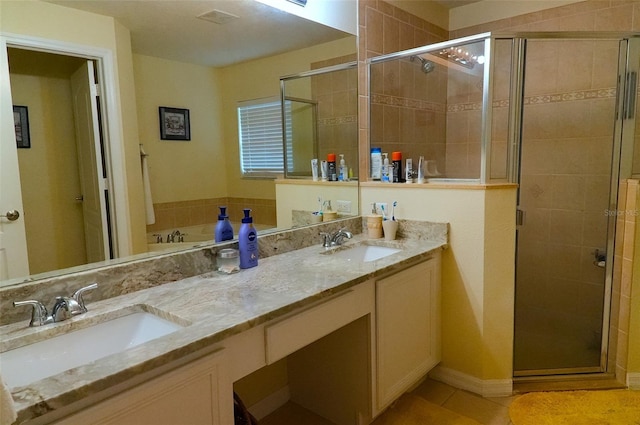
(174, 124)
(21, 124)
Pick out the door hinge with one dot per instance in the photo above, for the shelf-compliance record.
(519, 217)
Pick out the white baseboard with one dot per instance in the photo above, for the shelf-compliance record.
(485, 388)
(270, 403)
(633, 381)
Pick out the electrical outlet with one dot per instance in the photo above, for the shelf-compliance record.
(343, 206)
(380, 205)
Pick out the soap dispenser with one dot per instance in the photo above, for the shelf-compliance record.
(248, 242)
(374, 223)
(223, 230)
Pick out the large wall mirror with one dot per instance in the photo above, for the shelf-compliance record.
(205, 57)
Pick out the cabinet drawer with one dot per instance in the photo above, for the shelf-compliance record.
(302, 328)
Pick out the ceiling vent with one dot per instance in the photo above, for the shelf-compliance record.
(218, 17)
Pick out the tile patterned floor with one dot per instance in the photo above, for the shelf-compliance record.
(487, 411)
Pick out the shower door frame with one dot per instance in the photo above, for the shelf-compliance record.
(621, 166)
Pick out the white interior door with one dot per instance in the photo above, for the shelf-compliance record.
(13, 242)
(92, 181)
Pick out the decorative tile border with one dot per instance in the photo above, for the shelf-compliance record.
(608, 93)
(382, 99)
(349, 119)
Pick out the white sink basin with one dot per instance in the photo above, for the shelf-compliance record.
(365, 253)
(63, 352)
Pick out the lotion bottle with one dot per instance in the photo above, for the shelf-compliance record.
(248, 242)
(385, 168)
(224, 230)
(343, 171)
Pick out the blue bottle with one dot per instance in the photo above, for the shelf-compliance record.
(224, 230)
(248, 242)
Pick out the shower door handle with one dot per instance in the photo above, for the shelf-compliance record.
(630, 95)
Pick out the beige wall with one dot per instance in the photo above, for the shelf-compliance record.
(181, 170)
(302, 195)
(477, 270)
(49, 174)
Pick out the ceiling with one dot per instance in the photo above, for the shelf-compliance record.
(171, 29)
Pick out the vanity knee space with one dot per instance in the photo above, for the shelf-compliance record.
(385, 340)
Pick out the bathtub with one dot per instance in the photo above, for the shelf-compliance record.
(200, 234)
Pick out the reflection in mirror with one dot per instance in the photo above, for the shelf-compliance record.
(189, 180)
(427, 103)
(320, 110)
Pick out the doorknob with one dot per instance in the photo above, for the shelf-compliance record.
(11, 215)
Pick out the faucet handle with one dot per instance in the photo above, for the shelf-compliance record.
(39, 314)
(77, 296)
(326, 239)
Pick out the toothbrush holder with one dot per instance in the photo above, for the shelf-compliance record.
(390, 227)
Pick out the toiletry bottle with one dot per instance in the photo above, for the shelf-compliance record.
(324, 170)
(376, 163)
(343, 171)
(224, 230)
(396, 158)
(409, 170)
(331, 165)
(248, 242)
(385, 168)
(314, 169)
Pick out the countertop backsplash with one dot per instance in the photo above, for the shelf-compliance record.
(146, 272)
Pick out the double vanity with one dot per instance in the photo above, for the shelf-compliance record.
(358, 324)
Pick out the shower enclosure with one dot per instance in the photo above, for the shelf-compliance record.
(578, 94)
(319, 110)
(555, 113)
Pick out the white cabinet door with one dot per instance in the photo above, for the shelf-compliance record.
(408, 328)
(193, 394)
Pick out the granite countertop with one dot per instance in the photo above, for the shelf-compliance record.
(210, 306)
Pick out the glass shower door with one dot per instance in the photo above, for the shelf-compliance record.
(566, 158)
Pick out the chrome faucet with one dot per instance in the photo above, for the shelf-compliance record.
(329, 240)
(175, 236)
(63, 309)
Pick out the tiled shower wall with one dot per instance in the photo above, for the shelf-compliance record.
(337, 97)
(626, 215)
(387, 29)
(174, 215)
(403, 114)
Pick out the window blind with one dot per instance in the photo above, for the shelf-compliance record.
(260, 130)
